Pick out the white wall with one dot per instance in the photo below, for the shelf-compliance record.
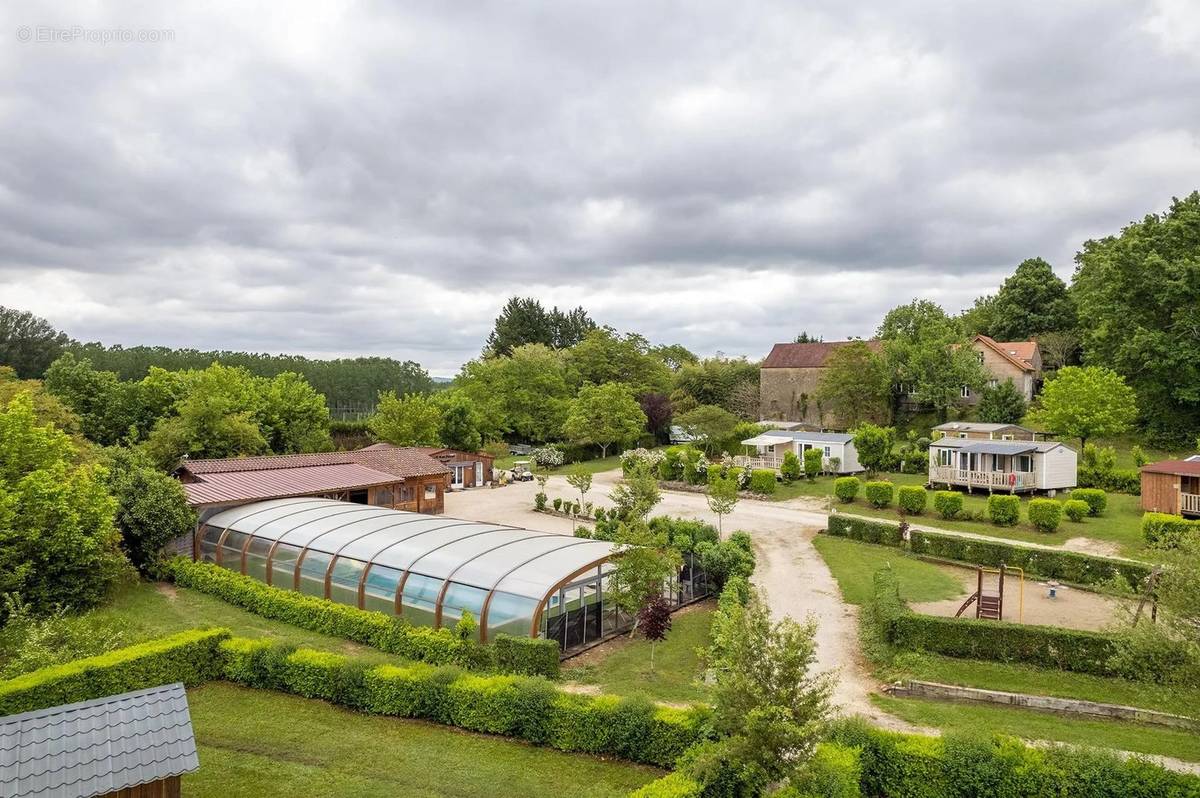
(1058, 469)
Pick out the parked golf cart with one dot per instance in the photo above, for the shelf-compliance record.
(521, 472)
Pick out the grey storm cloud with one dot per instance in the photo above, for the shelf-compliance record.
(376, 178)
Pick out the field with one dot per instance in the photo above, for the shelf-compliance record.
(262, 743)
(854, 565)
(622, 666)
(1031, 725)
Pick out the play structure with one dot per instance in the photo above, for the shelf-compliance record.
(989, 600)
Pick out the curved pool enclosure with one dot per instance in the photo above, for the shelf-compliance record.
(427, 568)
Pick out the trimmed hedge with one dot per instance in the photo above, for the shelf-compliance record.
(1004, 509)
(1002, 641)
(527, 656)
(762, 480)
(948, 503)
(1065, 566)
(1116, 480)
(880, 493)
(672, 785)
(867, 531)
(1076, 509)
(527, 707)
(846, 488)
(835, 771)
(1164, 529)
(999, 766)
(384, 632)
(1096, 499)
(191, 657)
(1045, 514)
(911, 499)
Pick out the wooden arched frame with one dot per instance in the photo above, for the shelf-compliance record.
(560, 584)
(437, 623)
(308, 546)
(279, 540)
(412, 563)
(487, 602)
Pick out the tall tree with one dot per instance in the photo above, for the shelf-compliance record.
(856, 386)
(1001, 404)
(106, 406)
(294, 417)
(1138, 295)
(1059, 348)
(722, 495)
(927, 354)
(874, 445)
(1087, 402)
(805, 338)
(524, 394)
(675, 356)
(604, 356)
(152, 509)
(523, 320)
(645, 564)
(28, 343)
(460, 421)
(1033, 300)
(977, 319)
(58, 542)
(658, 410)
(712, 381)
(601, 415)
(636, 494)
(411, 420)
(711, 425)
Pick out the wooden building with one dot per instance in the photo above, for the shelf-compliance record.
(467, 469)
(133, 745)
(981, 431)
(400, 478)
(1172, 486)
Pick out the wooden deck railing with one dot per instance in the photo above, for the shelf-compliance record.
(769, 461)
(992, 480)
(1189, 502)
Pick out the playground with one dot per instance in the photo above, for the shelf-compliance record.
(1024, 600)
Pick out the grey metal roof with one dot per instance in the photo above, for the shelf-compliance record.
(800, 435)
(978, 426)
(995, 447)
(97, 747)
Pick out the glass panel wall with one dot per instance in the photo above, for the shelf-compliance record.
(256, 558)
(462, 597)
(511, 615)
(231, 551)
(312, 573)
(379, 591)
(209, 535)
(283, 566)
(343, 580)
(420, 599)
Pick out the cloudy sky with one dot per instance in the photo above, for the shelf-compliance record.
(378, 178)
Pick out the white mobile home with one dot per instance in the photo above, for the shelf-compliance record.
(772, 445)
(1005, 466)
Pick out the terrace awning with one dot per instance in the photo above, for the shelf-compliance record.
(766, 440)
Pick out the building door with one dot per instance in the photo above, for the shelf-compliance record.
(456, 477)
(478, 473)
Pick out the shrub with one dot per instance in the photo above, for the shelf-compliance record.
(526, 655)
(1076, 509)
(813, 460)
(1065, 566)
(672, 785)
(546, 456)
(384, 632)
(1045, 514)
(539, 501)
(191, 657)
(790, 468)
(557, 504)
(1163, 529)
(1116, 480)
(948, 503)
(762, 480)
(911, 499)
(670, 467)
(1150, 652)
(833, 772)
(880, 493)
(880, 532)
(1004, 509)
(1095, 498)
(846, 488)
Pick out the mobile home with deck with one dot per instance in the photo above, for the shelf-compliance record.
(1002, 466)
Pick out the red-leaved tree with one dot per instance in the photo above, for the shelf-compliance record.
(654, 621)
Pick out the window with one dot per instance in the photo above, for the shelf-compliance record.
(430, 490)
(406, 493)
(358, 496)
(945, 457)
(965, 393)
(828, 451)
(1008, 437)
(1024, 463)
(979, 357)
(962, 434)
(992, 383)
(383, 497)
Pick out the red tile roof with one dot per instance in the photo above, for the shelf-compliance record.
(1183, 468)
(1011, 351)
(807, 356)
(256, 484)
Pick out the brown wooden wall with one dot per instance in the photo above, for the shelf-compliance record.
(1160, 493)
(167, 788)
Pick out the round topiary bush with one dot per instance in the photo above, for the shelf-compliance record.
(790, 469)
(762, 480)
(948, 503)
(1076, 509)
(1096, 499)
(1003, 509)
(846, 488)
(911, 499)
(880, 493)
(1045, 514)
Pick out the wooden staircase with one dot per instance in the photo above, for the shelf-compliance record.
(990, 607)
(989, 604)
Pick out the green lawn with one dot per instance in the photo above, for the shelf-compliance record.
(153, 610)
(591, 466)
(1016, 678)
(854, 565)
(262, 743)
(1032, 725)
(625, 669)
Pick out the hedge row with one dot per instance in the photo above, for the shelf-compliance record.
(526, 707)
(191, 657)
(1117, 480)
(1065, 566)
(914, 766)
(384, 632)
(1163, 529)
